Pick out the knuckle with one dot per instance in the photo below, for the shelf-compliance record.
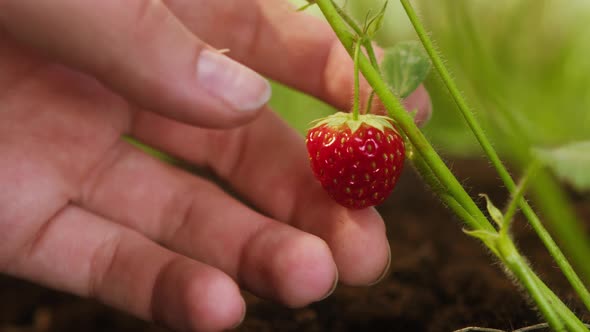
(147, 18)
(101, 264)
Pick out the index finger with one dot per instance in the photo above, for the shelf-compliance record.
(271, 37)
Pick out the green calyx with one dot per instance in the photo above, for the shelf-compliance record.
(340, 119)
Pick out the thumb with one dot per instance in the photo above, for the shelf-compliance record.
(141, 51)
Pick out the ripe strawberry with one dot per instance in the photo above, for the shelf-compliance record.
(357, 162)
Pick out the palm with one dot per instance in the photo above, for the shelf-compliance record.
(56, 126)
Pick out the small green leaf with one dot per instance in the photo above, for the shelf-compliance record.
(405, 66)
(376, 23)
(570, 162)
(494, 212)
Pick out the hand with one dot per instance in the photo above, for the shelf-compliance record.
(83, 211)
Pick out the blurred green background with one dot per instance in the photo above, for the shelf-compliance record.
(524, 66)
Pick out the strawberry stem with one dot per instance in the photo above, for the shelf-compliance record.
(370, 103)
(368, 45)
(356, 100)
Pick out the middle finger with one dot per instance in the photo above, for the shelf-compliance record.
(196, 218)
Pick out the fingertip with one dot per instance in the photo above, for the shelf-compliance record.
(305, 269)
(191, 296)
(361, 249)
(419, 101)
(214, 303)
(386, 270)
(236, 85)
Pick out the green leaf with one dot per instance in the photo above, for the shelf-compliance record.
(570, 162)
(376, 23)
(494, 212)
(405, 66)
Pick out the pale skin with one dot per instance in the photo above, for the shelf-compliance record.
(83, 211)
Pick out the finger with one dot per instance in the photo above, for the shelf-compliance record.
(143, 52)
(291, 47)
(87, 255)
(419, 101)
(266, 163)
(196, 218)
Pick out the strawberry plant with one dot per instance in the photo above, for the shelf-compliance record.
(399, 73)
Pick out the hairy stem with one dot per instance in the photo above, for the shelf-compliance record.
(356, 100)
(517, 196)
(491, 153)
(367, 43)
(519, 267)
(571, 321)
(432, 181)
(551, 198)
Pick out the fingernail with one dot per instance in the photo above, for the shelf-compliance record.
(331, 291)
(243, 317)
(237, 85)
(386, 271)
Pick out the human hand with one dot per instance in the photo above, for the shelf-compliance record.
(85, 212)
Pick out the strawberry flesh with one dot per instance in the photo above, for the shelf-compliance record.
(358, 169)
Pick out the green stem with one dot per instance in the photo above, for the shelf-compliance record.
(348, 19)
(431, 180)
(367, 43)
(373, 58)
(371, 53)
(571, 321)
(491, 153)
(555, 252)
(356, 100)
(370, 103)
(552, 199)
(359, 31)
(517, 196)
(304, 7)
(457, 96)
(519, 267)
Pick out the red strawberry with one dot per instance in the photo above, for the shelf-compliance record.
(357, 162)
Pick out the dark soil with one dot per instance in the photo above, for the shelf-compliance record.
(440, 280)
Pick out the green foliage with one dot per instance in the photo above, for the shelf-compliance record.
(376, 23)
(405, 66)
(570, 162)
